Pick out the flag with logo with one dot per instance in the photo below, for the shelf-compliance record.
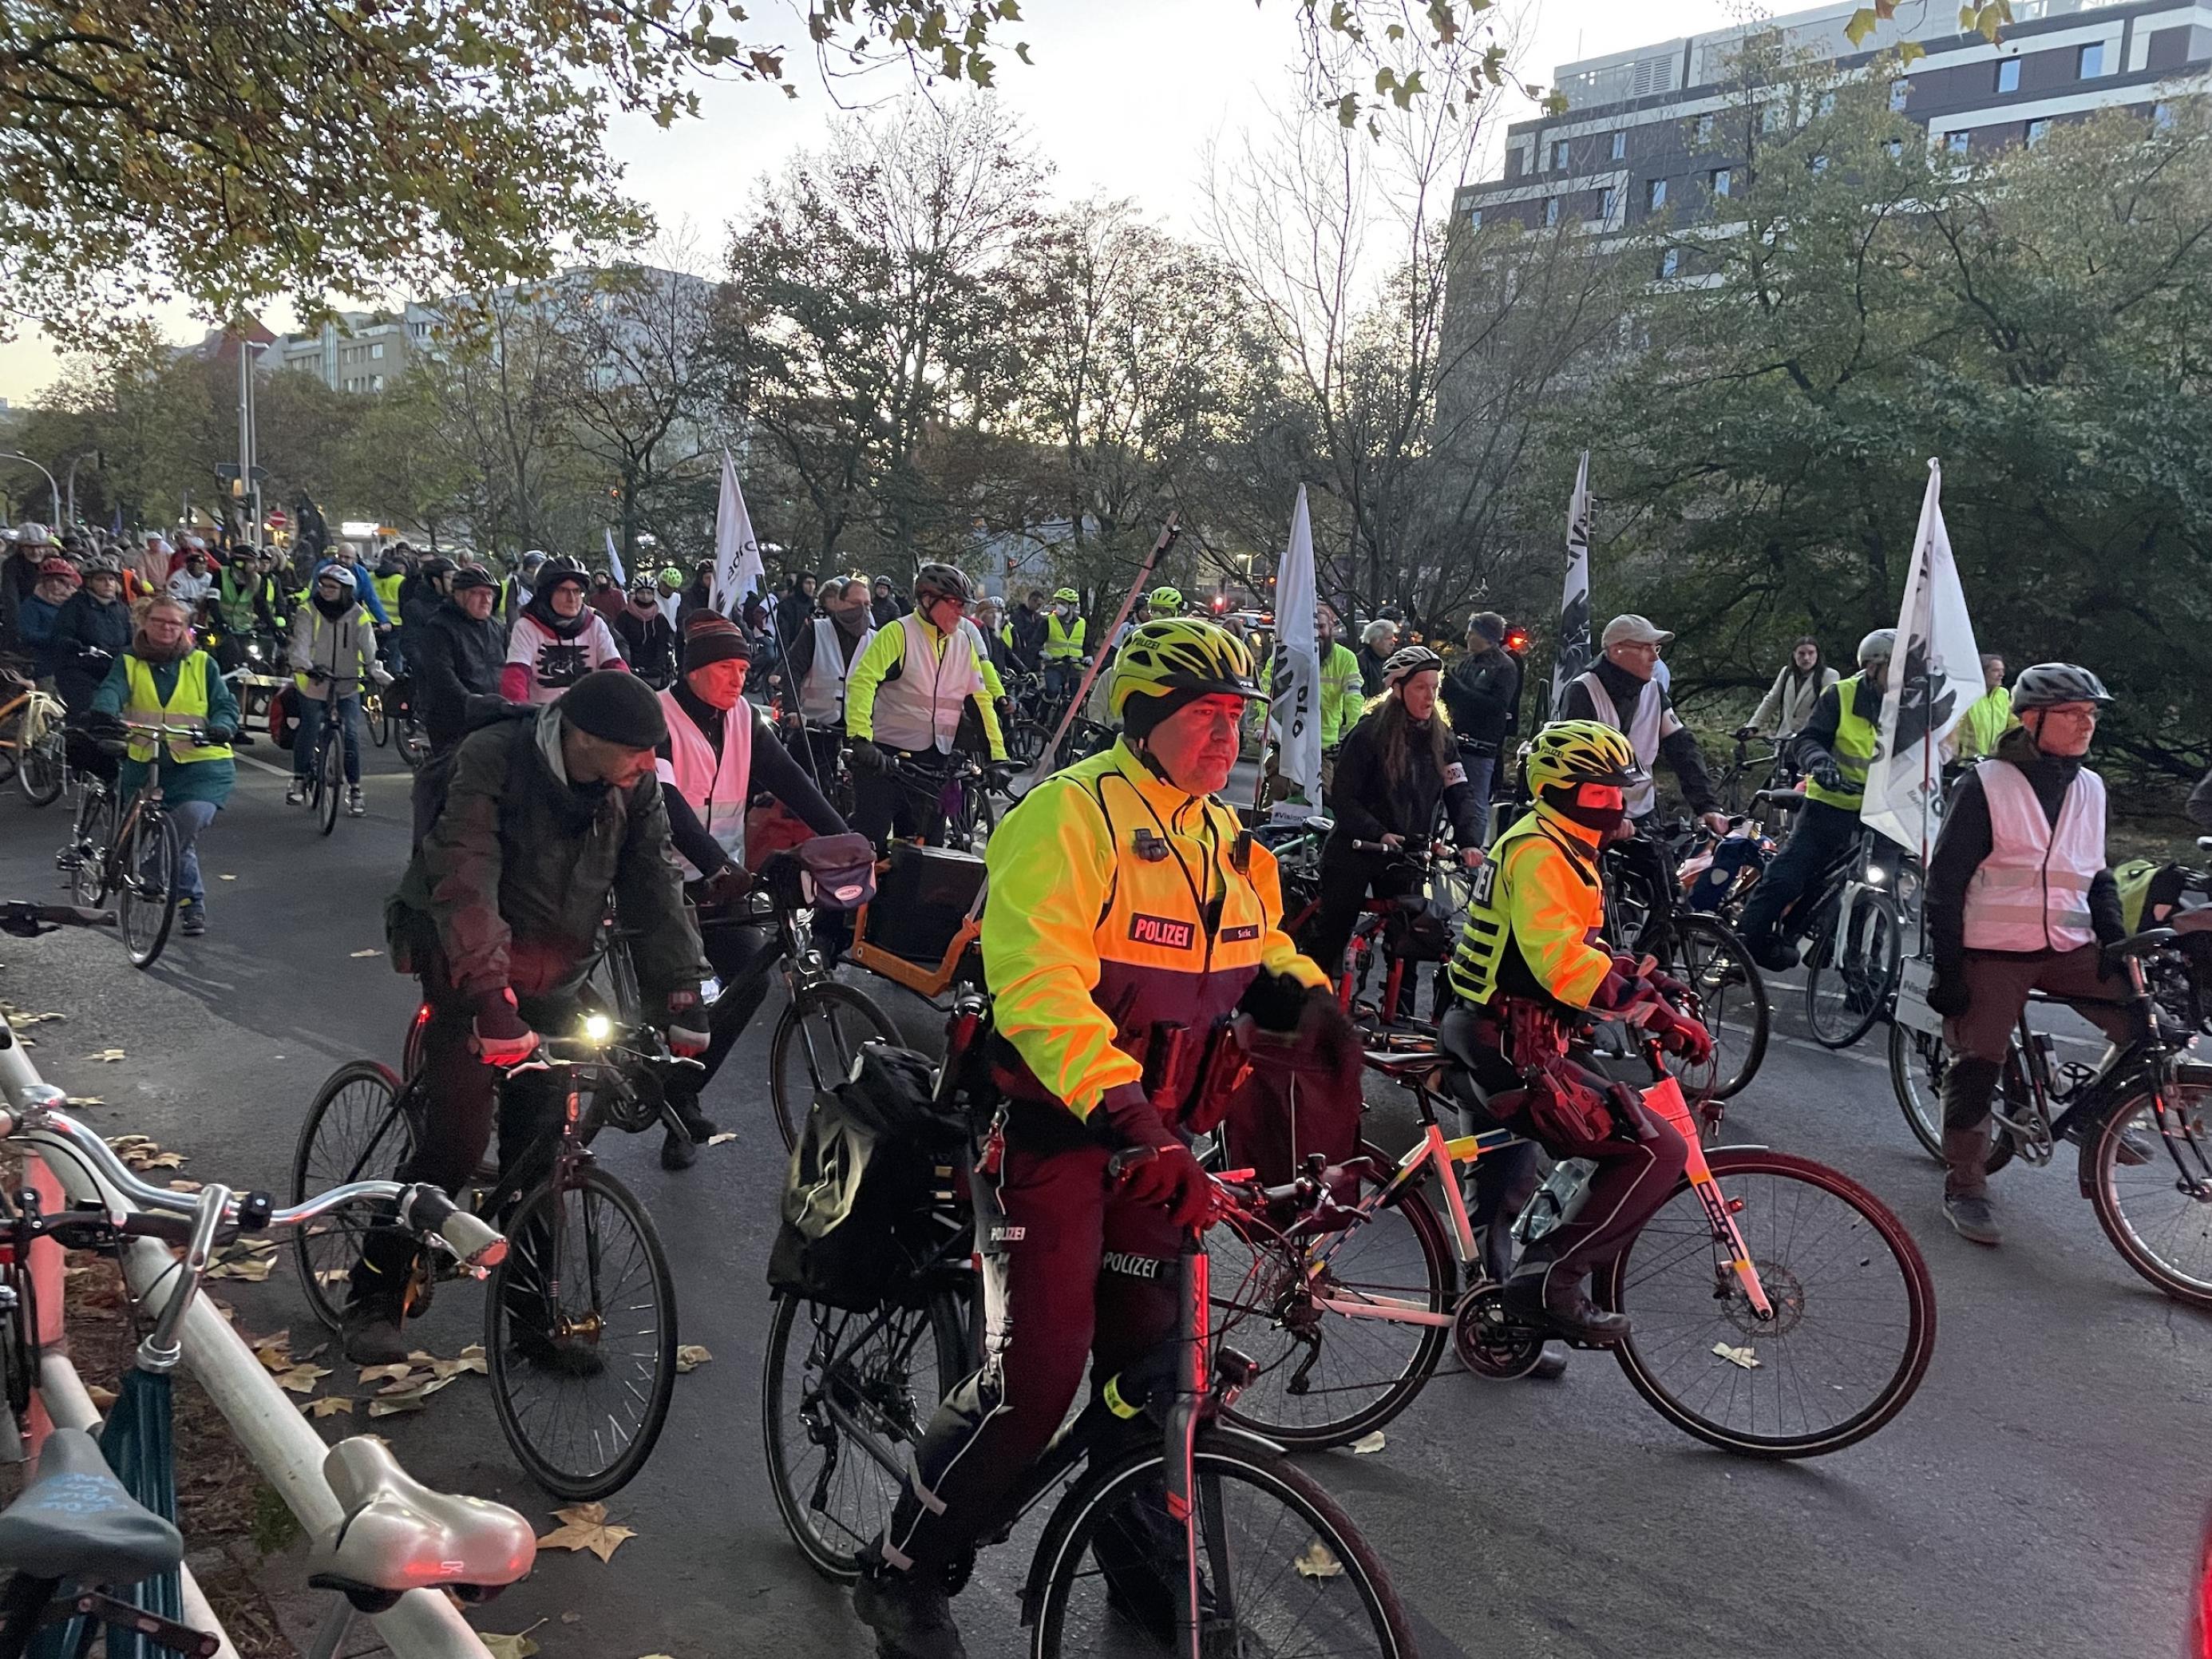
(737, 570)
(614, 563)
(1294, 695)
(1574, 654)
(1935, 675)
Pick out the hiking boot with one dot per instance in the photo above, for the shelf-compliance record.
(192, 917)
(678, 1150)
(1541, 1295)
(1970, 1217)
(355, 806)
(1777, 956)
(295, 792)
(370, 1334)
(697, 1123)
(909, 1613)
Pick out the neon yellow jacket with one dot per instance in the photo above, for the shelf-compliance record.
(1088, 947)
(1537, 910)
(1342, 693)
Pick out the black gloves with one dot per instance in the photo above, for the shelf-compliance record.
(503, 1037)
(1825, 772)
(1744, 732)
(864, 757)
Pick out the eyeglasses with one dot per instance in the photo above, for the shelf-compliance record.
(1652, 646)
(2072, 711)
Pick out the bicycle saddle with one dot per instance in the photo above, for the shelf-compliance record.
(2151, 938)
(75, 1520)
(399, 1535)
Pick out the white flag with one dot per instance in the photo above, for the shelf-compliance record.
(1295, 696)
(1574, 654)
(1935, 672)
(737, 570)
(614, 563)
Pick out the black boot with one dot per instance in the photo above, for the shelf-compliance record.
(909, 1613)
(1550, 1294)
(678, 1150)
(371, 1332)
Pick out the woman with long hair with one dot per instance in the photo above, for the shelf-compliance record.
(1787, 707)
(1396, 765)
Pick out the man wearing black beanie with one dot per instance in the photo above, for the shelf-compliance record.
(548, 813)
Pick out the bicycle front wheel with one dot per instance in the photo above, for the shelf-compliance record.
(95, 824)
(149, 863)
(378, 719)
(1281, 1570)
(356, 1129)
(40, 754)
(1853, 1323)
(1917, 1062)
(1709, 958)
(1852, 970)
(2150, 1182)
(814, 1046)
(840, 1392)
(579, 1332)
(330, 770)
(1314, 1316)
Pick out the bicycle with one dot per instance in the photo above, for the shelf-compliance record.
(386, 1543)
(133, 855)
(1349, 1304)
(580, 1325)
(1756, 758)
(953, 789)
(31, 740)
(1858, 949)
(2141, 1119)
(1190, 1543)
(326, 767)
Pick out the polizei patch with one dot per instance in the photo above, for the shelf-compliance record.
(1163, 931)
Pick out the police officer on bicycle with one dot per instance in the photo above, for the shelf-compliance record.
(1129, 915)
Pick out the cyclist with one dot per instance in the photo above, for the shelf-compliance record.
(549, 812)
(1399, 763)
(1340, 688)
(885, 606)
(1482, 696)
(18, 574)
(1062, 652)
(34, 623)
(90, 632)
(819, 664)
(902, 701)
(647, 637)
(2019, 899)
(521, 585)
(460, 651)
(718, 753)
(390, 576)
(245, 605)
(1623, 691)
(1378, 643)
(193, 583)
(1834, 749)
(557, 640)
(163, 679)
(1987, 719)
(1789, 705)
(333, 654)
(1024, 633)
(1100, 952)
(1530, 967)
(348, 555)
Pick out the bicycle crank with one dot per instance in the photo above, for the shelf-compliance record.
(1490, 1341)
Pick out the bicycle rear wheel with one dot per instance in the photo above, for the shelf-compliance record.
(1283, 1569)
(1025, 741)
(820, 1030)
(1917, 1062)
(1327, 1377)
(580, 1331)
(147, 865)
(1731, 993)
(356, 1129)
(1851, 972)
(39, 753)
(1855, 1310)
(2157, 1210)
(330, 774)
(836, 1387)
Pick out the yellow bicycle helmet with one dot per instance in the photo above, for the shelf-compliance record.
(1182, 653)
(1166, 601)
(1067, 596)
(1571, 752)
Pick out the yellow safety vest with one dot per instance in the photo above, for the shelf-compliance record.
(1062, 643)
(387, 592)
(1852, 747)
(1987, 718)
(187, 709)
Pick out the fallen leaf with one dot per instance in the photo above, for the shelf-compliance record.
(378, 953)
(226, 878)
(392, 1407)
(571, 1618)
(384, 1373)
(690, 1356)
(163, 1161)
(301, 1379)
(82, 1101)
(103, 1398)
(275, 1353)
(1743, 1357)
(585, 1527)
(181, 1185)
(518, 1646)
(107, 1055)
(252, 1268)
(333, 1275)
(1369, 1443)
(329, 1406)
(721, 1136)
(1314, 1561)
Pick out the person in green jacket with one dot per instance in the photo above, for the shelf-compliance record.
(1987, 718)
(164, 680)
(1341, 700)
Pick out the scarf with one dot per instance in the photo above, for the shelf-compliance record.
(159, 655)
(336, 608)
(540, 610)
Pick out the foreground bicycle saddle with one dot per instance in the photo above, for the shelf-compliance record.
(399, 1535)
(75, 1520)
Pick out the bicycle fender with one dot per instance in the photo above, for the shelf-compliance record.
(1740, 1146)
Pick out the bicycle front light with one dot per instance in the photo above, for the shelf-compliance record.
(598, 1028)
(1877, 875)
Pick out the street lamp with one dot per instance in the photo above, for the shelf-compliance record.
(56, 489)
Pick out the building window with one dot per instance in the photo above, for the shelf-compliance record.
(1619, 151)
(1900, 93)
(1670, 262)
(1559, 154)
(1550, 211)
(2037, 132)
(1655, 194)
(1474, 218)
(1820, 164)
(1724, 181)
(377, 350)
(2162, 117)
(1608, 205)
(376, 383)
(2009, 75)
(1771, 117)
(1894, 150)
(1704, 129)
(1956, 142)
(1827, 106)
(2092, 62)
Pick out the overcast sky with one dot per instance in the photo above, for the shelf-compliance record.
(1123, 96)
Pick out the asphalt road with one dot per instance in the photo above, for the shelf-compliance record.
(2042, 1495)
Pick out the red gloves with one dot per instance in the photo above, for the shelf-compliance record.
(687, 1040)
(1170, 1176)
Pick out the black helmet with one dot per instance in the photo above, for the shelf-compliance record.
(473, 576)
(2049, 683)
(934, 581)
(554, 571)
(434, 567)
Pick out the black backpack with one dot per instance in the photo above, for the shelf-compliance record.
(856, 1198)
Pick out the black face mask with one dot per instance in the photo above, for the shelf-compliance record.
(1561, 798)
